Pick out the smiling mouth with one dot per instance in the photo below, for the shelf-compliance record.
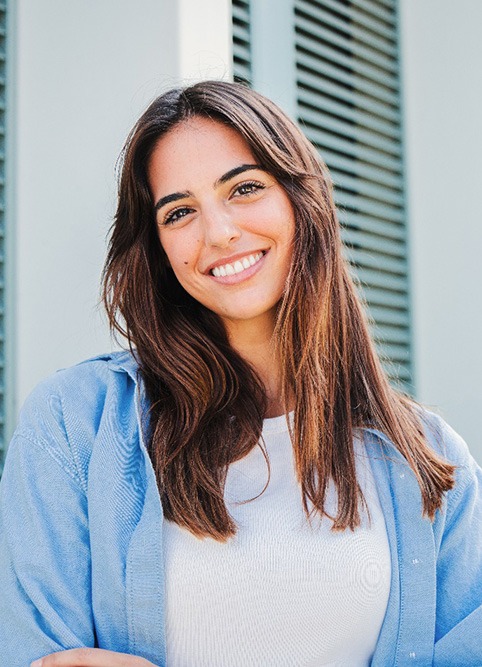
(238, 266)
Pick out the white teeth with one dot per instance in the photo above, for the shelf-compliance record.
(237, 267)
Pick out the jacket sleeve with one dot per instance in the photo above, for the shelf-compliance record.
(44, 540)
(458, 639)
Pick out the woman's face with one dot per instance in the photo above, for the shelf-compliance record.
(226, 225)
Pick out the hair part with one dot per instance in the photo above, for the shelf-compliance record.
(206, 403)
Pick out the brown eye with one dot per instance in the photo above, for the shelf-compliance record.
(248, 188)
(176, 214)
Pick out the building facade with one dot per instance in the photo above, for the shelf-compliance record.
(383, 88)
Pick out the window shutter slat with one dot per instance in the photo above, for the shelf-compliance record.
(347, 27)
(383, 11)
(345, 127)
(320, 86)
(344, 146)
(353, 80)
(362, 169)
(342, 111)
(361, 239)
(376, 22)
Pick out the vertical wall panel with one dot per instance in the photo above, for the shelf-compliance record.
(3, 81)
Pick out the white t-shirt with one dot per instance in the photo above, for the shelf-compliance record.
(282, 592)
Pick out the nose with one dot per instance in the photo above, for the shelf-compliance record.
(220, 229)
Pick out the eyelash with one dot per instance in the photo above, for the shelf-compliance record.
(172, 216)
(256, 185)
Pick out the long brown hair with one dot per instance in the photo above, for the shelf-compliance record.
(206, 402)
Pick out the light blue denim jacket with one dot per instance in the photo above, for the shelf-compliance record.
(81, 559)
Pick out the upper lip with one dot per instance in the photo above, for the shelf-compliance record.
(233, 258)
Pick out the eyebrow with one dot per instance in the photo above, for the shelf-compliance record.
(169, 198)
(175, 196)
(234, 172)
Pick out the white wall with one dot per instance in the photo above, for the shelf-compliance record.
(84, 71)
(442, 58)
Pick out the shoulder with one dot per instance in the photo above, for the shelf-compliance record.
(445, 442)
(440, 436)
(63, 413)
(443, 439)
(453, 448)
(85, 385)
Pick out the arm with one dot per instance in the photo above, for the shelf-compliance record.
(458, 638)
(91, 657)
(45, 533)
(44, 566)
(44, 553)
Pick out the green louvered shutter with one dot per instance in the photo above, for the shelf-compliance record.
(348, 103)
(3, 74)
(348, 93)
(241, 41)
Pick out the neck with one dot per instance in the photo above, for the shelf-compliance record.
(255, 345)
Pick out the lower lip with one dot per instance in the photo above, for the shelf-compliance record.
(243, 275)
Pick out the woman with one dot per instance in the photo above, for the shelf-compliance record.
(243, 487)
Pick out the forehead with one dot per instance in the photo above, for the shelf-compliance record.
(196, 148)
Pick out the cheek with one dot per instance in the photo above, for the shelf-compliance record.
(181, 248)
(175, 253)
(181, 262)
